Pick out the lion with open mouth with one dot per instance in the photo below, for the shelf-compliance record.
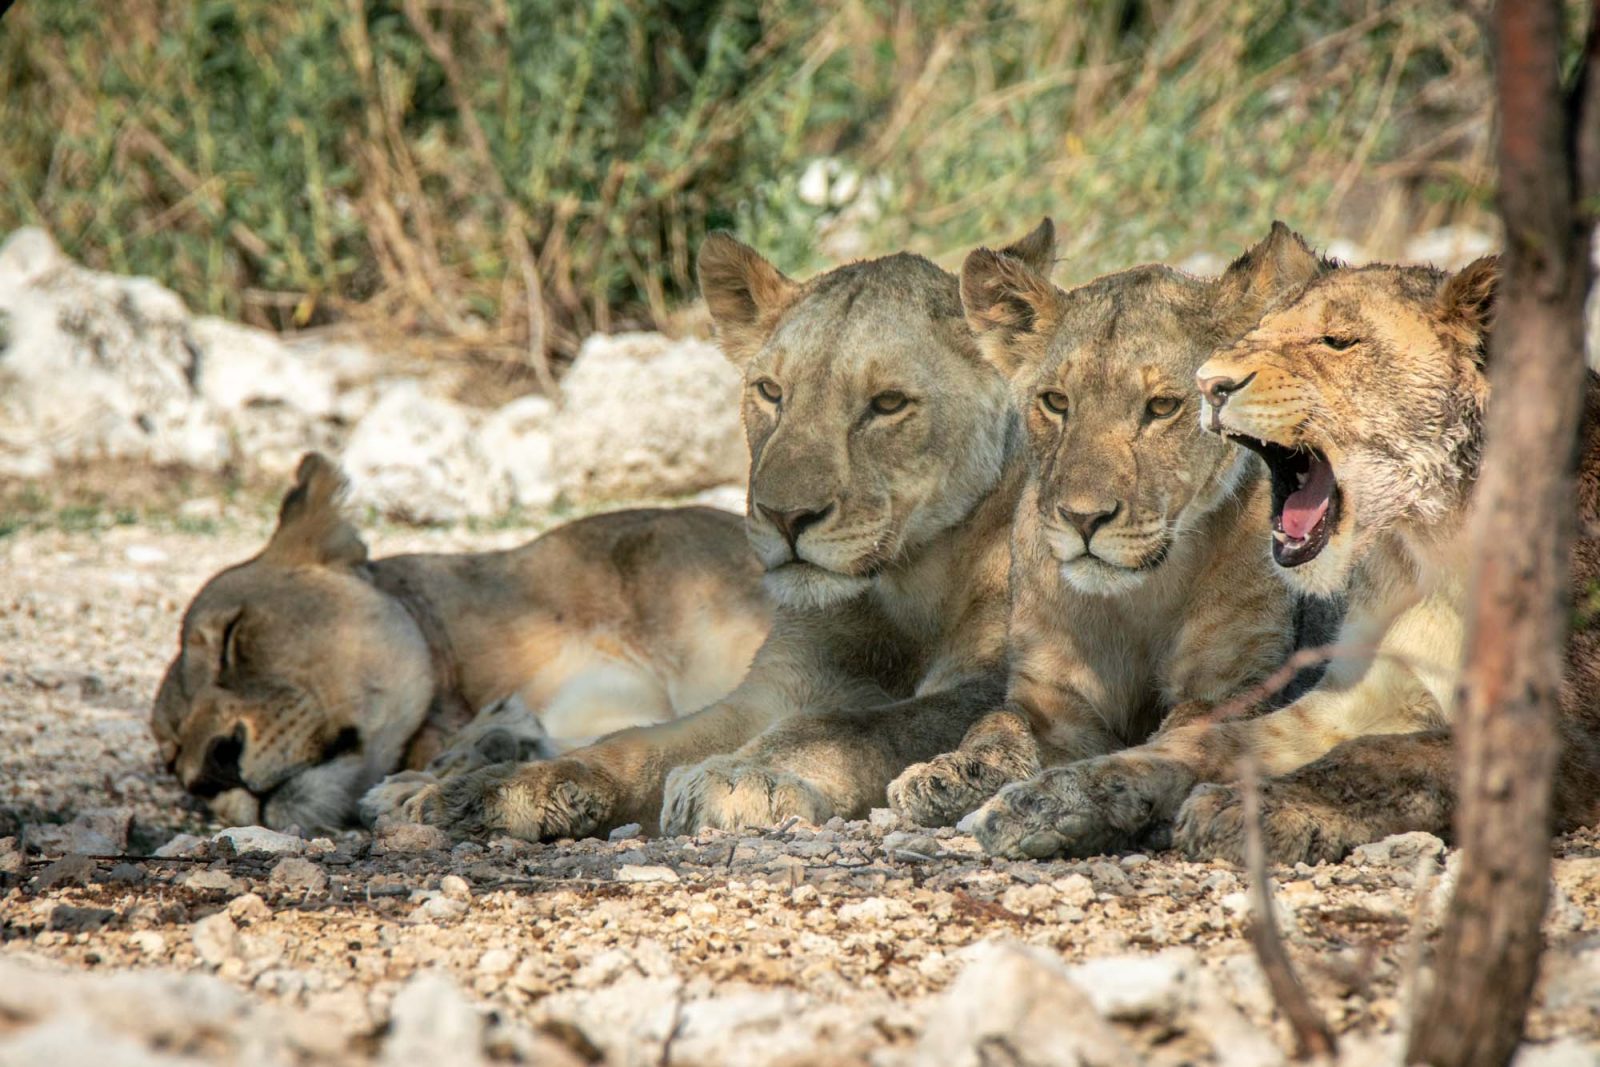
(1364, 396)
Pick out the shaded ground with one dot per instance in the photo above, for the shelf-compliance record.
(804, 945)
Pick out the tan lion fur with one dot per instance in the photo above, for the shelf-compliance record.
(1171, 603)
(1396, 404)
(885, 466)
(308, 672)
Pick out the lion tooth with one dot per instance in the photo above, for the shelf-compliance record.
(1303, 476)
(1280, 537)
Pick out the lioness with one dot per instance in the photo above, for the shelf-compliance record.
(1365, 398)
(885, 465)
(308, 672)
(1140, 591)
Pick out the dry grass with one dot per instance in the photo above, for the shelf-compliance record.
(499, 178)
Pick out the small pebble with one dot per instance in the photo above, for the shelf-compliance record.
(294, 872)
(497, 961)
(249, 908)
(215, 938)
(209, 879)
(443, 908)
(149, 943)
(411, 837)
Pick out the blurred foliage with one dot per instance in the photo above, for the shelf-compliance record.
(483, 171)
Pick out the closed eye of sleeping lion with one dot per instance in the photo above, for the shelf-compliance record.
(1141, 595)
(885, 465)
(1365, 396)
(310, 671)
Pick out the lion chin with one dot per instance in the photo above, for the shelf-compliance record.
(1086, 574)
(807, 587)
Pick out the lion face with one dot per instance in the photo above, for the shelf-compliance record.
(1365, 397)
(873, 423)
(297, 683)
(1102, 376)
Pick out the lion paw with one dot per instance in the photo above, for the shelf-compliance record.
(1211, 825)
(391, 801)
(236, 807)
(732, 793)
(1084, 809)
(503, 732)
(942, 790)
(532, 801)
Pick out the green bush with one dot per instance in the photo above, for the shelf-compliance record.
(431, 165)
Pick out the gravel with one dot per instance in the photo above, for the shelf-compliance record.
(852, 943)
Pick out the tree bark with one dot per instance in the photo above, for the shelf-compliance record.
(1524, 522)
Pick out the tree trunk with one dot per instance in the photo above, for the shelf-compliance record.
(1518, 616)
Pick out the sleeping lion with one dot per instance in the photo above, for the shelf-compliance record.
(309, 672)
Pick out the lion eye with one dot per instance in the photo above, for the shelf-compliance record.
(1055, 403)
(230, 645)
(1163, 407)
(1336, 342)
(890, 402)
(769, 391)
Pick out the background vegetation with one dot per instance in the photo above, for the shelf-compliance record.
(504, 176)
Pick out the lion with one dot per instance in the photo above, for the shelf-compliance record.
(885, 467)
(1140, 593)
(309, 672)
(1364, 396)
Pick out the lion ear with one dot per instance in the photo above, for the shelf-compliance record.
(1280, 264)
(312, 527)
(744, 292)
(1037, 249)
(1011, 306)
(1466, 300)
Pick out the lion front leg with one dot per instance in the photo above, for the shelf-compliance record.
(814, 766)
(617, 780)
(540, 801)
(822, 764)
(1363, 791)
(1086, 808)
(999, 749)
(734, 792)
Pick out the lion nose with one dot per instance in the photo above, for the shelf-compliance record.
(791, 524)
(1217, 390)
(219, 770)
(1087, 522)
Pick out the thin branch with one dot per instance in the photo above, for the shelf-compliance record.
(1315, 656)
(1312, 1035)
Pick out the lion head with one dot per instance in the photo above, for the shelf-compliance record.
(297, 683)
(874, 424)
(1365, 396)
(1103, 376)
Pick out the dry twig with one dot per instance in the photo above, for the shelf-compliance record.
(1312, 1035)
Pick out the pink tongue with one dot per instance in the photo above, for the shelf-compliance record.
(1306, 505)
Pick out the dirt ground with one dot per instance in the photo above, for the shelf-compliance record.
(862, 942)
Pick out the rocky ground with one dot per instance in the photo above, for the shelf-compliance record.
(97, 368)
(849, 943)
